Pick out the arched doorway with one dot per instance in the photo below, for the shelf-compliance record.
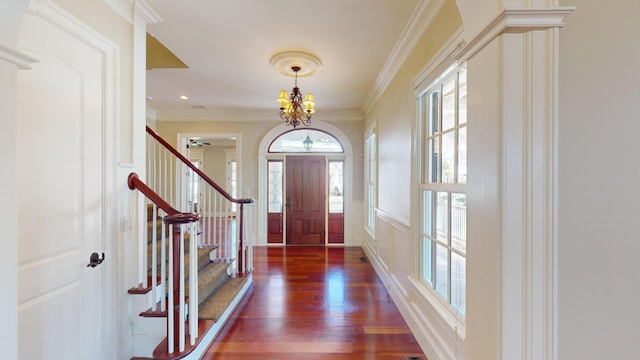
(305, 216)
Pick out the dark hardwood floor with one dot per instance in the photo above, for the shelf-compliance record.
(312, 302)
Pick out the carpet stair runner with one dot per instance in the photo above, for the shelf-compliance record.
(216, 289)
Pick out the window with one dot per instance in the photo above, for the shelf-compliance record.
(305, 140)
(443, 187)
(336, 186)
(370, 182)
(274, 170)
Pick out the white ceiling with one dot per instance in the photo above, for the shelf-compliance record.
(228, 45)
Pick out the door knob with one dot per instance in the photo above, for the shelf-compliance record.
(95, 260)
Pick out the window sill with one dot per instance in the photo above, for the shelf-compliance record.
(447, 313)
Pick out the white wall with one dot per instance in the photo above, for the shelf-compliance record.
(599, 196)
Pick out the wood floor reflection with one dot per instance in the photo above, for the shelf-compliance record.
(313, 302)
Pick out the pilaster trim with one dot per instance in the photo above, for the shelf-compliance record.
(16, 57)
(515, 20)
(424, 15)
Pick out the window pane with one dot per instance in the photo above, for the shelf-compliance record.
(458, 283)
(432, 164)
(448, 156)
(275, 186)
(459, 222)
(462, 96)
(433, 114)
(371, 210)
(294, 141)
(442, 271)
(427, 223)
(336, 186)
(462, 155)
(448, 104)
(442, 216)
(427, 260)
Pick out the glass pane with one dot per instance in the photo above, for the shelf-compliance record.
(448, 104)
(275, 186)
(193, 184)
(294, 141)
(462, 155)
(433, 113)
(336, 171)
(432, 164)
(234, 183)
(462, 96)
(371, 210)
(442, 216)
(459, 222)
(442, 271)
(448, 156)
(427, 260)
(458, 283)
(427, 212)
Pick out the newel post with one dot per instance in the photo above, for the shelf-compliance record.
(241, 252)
(177, 220)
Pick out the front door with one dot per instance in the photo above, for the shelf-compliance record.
(62, 195)
(305, 200)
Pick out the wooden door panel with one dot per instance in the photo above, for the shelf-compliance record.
(305, 198)
(336, 228)
(274, 228)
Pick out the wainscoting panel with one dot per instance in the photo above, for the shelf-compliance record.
(434, 324)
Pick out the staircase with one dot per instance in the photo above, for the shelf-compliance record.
(194, 262)
(216, 289)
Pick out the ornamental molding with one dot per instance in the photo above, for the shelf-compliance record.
(131, 10)
(16, 57)
(515, 20)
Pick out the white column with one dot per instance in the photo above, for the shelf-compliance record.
(512, 272)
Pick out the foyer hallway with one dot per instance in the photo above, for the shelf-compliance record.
(312, 302)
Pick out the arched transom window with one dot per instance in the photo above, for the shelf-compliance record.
(305, 140)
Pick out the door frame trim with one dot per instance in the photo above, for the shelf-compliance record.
(57, 16)
(347, 156)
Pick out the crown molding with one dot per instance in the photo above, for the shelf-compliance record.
(250, 115)
(16, 57)
(132, 9)
(515, 20)
(423, 16)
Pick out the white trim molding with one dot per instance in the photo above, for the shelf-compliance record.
(16, 57)
(130, 10)
(51, 13)
(423, 16)
(515, 21)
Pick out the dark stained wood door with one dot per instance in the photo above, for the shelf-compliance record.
(305, 200)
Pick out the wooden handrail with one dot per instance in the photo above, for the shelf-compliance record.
(200, 173)
(175, 218)
(134, 182)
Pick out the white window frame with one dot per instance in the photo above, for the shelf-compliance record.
(370, 181)
(424, 163)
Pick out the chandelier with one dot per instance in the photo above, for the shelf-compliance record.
(293, 110)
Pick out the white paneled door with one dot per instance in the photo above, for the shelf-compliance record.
(61, 194)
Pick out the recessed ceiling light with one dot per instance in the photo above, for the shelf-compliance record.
(184, 97)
